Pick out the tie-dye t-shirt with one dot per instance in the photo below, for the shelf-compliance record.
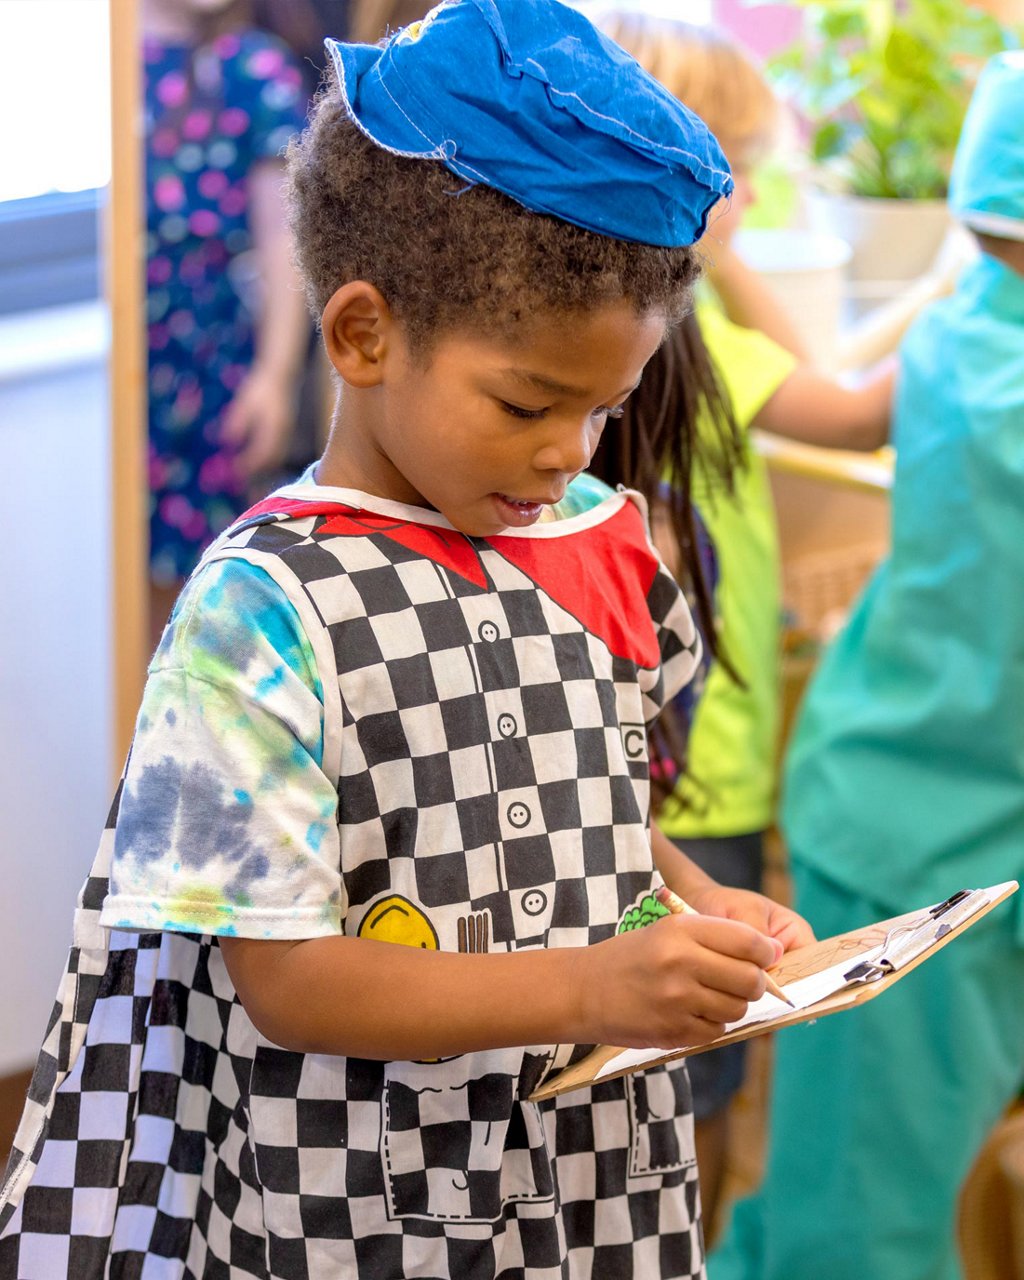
(227, 820)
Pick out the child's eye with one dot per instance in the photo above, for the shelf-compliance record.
(616, 411)
(517, 411)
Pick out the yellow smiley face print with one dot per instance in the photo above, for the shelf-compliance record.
(396, 919)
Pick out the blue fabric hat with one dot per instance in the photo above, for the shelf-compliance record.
(526, 96)
(986, 189)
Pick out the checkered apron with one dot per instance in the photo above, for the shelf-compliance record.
(485, 705)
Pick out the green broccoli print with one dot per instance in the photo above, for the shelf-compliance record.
(649, 910)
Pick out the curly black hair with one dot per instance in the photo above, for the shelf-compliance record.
(446, 255)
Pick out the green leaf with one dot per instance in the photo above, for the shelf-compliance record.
(842, 24)
(907, 55)
(884, 85)
(829, 140)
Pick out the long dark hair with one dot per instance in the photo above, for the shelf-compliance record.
(652, 449)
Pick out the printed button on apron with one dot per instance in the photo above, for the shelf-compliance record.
(534, 902)
(507, 726)
(488, 631)
(518, 814)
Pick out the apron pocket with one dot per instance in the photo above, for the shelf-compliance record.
(457, 1145)
(660, 1120)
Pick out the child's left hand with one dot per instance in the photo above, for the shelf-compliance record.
(766, 915)
(259, 420)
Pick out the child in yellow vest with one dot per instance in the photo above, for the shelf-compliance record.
(722, 808)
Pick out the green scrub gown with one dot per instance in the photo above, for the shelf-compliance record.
(905, 783)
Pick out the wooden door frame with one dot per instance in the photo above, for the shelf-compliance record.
(124, 286)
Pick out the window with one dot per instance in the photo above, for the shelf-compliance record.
(55, 104)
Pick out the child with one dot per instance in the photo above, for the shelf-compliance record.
(724, 804)
(222, 99)
(396, 706)
(904, 784)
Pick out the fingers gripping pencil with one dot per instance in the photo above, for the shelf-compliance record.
(678, 907)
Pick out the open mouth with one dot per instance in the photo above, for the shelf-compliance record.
(522, 502)
(520, 510)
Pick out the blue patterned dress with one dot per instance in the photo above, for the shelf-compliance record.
(211, 114)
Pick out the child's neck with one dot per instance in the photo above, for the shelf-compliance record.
(168, 22)
(174, 22)
(163, 22)
(345, 462)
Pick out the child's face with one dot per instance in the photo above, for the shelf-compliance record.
(491, 430)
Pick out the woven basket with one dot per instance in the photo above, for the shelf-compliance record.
(991, 1215)
(818, 589)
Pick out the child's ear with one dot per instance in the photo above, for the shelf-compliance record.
(356, 325)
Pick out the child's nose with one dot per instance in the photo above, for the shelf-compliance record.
(570, 450)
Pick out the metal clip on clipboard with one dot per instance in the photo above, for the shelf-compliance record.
(907, 941)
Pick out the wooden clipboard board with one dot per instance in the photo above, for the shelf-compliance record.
(799, 963)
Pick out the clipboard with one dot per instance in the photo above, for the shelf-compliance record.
(867, 961)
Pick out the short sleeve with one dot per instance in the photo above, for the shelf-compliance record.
(751, 365)
(226, 822)
(271, 94)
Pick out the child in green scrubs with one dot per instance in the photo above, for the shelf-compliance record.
(906, 782)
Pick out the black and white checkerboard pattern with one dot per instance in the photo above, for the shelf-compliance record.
(491, 763)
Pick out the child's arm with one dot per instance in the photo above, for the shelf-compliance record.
(808, 406)
(880, 332)
(818, 410)
(675, 982)
(697, 888)
(749, 302)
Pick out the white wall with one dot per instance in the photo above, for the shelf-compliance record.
(55, 665)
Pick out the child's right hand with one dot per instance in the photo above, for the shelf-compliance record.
(674, 983)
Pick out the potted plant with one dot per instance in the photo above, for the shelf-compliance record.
(883, 86)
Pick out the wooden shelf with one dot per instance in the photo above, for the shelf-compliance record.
(866, 472)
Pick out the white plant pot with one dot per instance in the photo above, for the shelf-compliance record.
(805, 270)
(893, 241)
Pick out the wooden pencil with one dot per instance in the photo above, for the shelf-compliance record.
(678, 907)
